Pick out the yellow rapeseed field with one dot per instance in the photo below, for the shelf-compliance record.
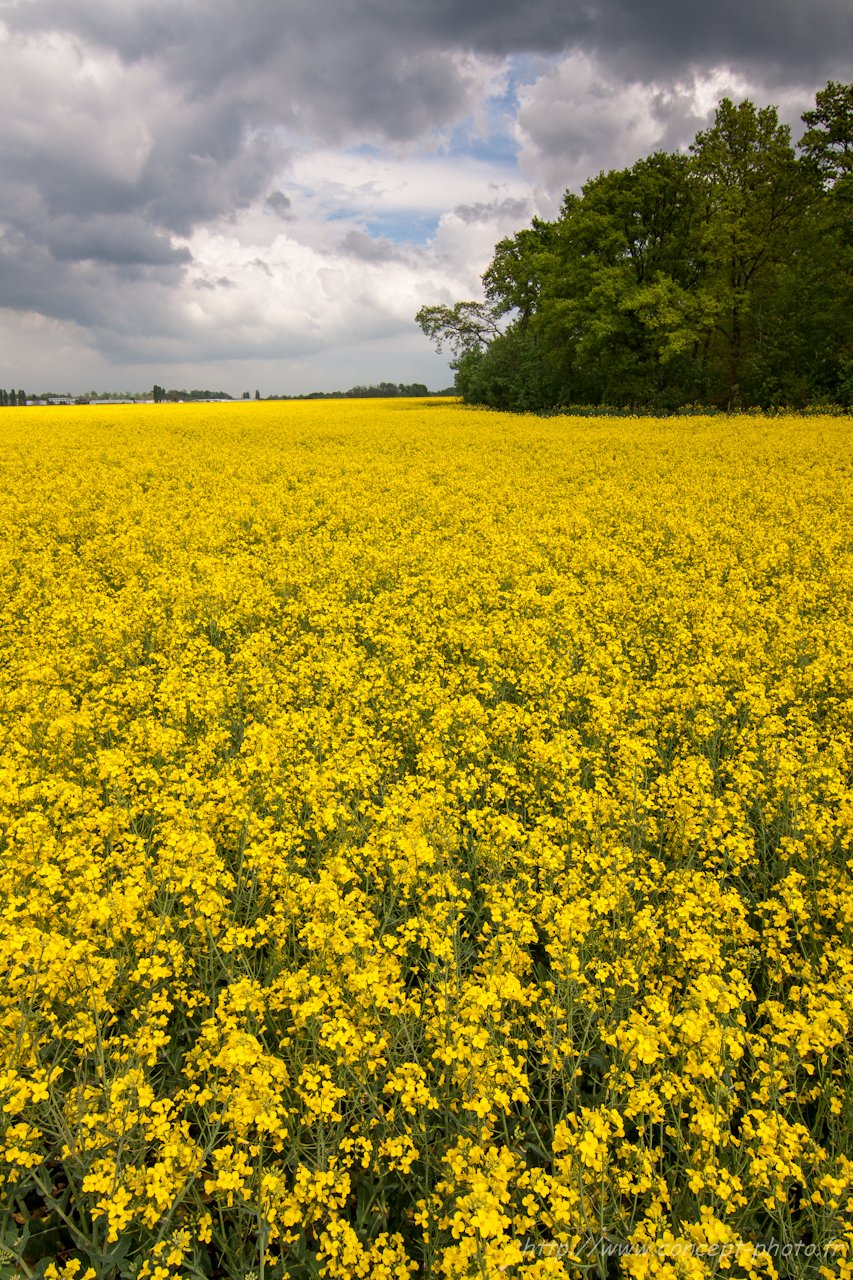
(427, 844)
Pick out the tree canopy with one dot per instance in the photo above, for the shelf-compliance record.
(721, 276)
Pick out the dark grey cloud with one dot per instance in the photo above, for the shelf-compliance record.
(374, 69)
(326, 39)
(489, 211)
(134, 30)
(648, 37)
(277, 202)
(776, 41)
(328, 66)
(221, 282)
(112, 301)
(117, 239)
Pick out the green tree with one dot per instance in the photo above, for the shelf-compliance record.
(464, 327)
(828, 140)
(616, 316)
(515, 276)
(753, 191)
(723, 276)
(827, 147)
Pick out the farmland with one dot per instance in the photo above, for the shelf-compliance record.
(427, 839)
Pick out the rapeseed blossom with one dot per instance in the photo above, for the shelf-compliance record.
(427, 843)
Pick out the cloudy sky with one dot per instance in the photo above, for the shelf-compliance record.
(261, 193)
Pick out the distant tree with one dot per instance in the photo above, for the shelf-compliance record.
(247, 395)
(158, 394)
(257, 395)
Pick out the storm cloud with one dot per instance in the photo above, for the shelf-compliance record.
(338, 162)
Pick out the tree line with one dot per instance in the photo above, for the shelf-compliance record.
(161, 396)
(379, 390)
(722, 276)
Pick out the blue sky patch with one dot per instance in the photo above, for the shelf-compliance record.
(403, 227)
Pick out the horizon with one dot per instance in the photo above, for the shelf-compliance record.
(368, 390)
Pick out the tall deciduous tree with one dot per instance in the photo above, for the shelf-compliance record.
(828, 140)
(753, 192)
(515, 276)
